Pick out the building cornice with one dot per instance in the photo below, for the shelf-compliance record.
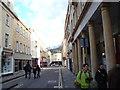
(13, 14)
(84, 11)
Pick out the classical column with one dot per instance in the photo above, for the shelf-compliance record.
(76, 59)
(83, 49)
(73, 57)
(1, 49)
(108, 38)
(79, 54)
(93, 51)
(0, 67)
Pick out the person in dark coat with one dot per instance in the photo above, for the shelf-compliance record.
(27, 70)
(101, 77)
(114, 77)
(38, 71)
(34, 71)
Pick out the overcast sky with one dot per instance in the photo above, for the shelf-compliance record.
(45, 16)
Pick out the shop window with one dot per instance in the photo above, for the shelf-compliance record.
(6, 62)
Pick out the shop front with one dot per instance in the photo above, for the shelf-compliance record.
(7, 61)
(21, 60)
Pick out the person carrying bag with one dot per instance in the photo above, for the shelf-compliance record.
(84, 78)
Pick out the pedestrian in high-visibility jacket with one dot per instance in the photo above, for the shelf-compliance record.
(84, 78)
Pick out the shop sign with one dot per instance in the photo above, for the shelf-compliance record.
(84, 42)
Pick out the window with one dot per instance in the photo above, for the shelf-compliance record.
(83, 3)
(26, 50)
(21, 47)
(17, 46)
(29, 36)
(8, 3)
(29, 51)
(17, 27)
(6, 40)
(21, 30)
(7, 20)
(26, 34)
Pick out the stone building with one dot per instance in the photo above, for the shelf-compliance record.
(93, 29)
(6, 37)
(22, 44)
(14, 40)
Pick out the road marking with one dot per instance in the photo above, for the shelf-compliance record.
(60, 84)
(56, 71)
(18, 86)
(52, 81)
(55, 86)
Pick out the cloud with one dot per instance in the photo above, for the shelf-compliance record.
(47, 17)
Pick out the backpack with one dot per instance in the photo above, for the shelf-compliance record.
(76, 84)
(82, 72)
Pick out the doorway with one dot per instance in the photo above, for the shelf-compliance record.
(117, 46)
(20, 65)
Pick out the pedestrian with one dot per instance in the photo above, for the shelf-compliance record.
(38, 71)
(84, 78)
(34, 71)
(101, 77)
(114, 77)
(27, 69)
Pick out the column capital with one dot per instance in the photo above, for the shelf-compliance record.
(104, 5)
(90, 23)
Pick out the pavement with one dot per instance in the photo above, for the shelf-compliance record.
(67, 77)
(12, 76)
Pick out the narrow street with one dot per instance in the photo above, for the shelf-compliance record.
(71, 43)
(50, 78)
(45, 81)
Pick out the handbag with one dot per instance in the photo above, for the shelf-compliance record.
(77, 84)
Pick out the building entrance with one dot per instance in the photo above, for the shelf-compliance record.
(117, 45)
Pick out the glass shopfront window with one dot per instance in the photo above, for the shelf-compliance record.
(6, 62)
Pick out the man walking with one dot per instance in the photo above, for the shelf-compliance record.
(101, 77)
(38, 71)
(84, 77)
(27, 69)
(34, 70)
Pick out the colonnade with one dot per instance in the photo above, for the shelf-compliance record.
(80, 54)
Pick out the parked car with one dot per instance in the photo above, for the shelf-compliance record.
(43, 64)
(56, 63)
